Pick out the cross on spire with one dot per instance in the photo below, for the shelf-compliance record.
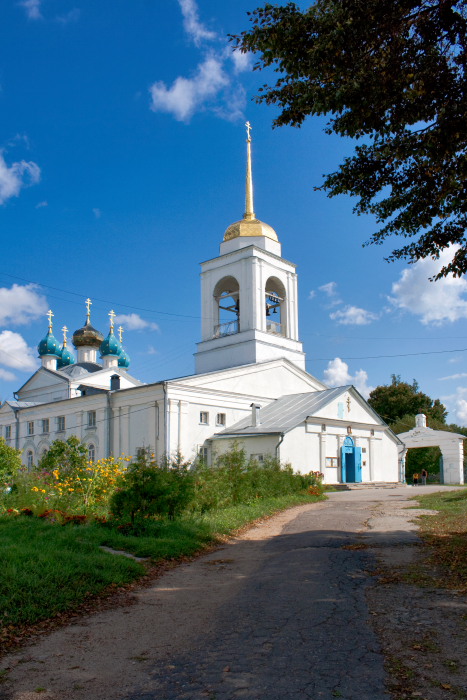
(112, 315)
(64, 331)
(88, 303)
(49, 315)
(249, 209)
(248, 129)
(120, 333)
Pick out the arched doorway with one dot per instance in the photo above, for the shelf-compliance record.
(351, 462)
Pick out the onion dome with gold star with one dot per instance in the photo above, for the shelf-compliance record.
(249, 225)
(87, 336)
(49, 345)
(66, 357)
(124, 358)
(110, 346)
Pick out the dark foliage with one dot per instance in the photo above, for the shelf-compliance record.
(393, 74)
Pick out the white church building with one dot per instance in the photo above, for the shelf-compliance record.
(250, 383)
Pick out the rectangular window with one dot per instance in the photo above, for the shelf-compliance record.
(204, 417)
(60, 423)
(331, 461)
(45, 425)
(203, 453)
(91, 419)
(257, 458)
(220, 419)
(31, 427)
(8, 432)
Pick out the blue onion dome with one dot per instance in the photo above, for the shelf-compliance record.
(124, 360)
(87, 336)
(110, 346)
(66, 358)
(49, 346)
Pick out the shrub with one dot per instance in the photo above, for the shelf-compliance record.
(149, 488)
(10, 463)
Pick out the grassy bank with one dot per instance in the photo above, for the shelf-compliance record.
(446, 534)
(50, 568)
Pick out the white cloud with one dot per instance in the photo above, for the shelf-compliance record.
(353, 315)
(312, 294)
(337, 374)
(33, 8)
(434, 302)
(461, 375)
(461, 411)
(15, 177)
(41, 205)
(71, 16)
(134, 322)
(152, 350)
(242, 61)
(330, 290)
(6, 375)
(186, 95)
(14, 352)
(97, 212)
(21, 304)
(191, 24)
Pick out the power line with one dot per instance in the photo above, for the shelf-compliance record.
(377, 357)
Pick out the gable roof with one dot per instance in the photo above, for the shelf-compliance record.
(286, 413)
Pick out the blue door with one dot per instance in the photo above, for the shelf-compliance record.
(351, 461)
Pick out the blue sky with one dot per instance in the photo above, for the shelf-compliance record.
(122, 158)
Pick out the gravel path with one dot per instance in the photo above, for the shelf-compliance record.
(280, 612)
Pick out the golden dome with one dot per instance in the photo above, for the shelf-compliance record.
(250, 227)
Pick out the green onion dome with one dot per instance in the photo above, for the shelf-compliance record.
(110, 346)
(49, 346)
(124, 360)
(66, 358)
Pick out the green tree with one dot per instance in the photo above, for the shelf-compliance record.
(10, 462)
(397, 399)
(391, 73)
(67, 455)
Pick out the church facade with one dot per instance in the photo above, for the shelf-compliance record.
(250, 384)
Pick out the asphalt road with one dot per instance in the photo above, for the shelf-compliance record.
(277, 613)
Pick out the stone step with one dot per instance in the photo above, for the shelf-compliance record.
(367, 485)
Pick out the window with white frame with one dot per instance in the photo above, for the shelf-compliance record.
(91, 419)
(204, 417)
(30, 459)
(30, 427)
(60, 423)
(8, 432)
(91, 452)
(45, 425)
(220, 419)
(257, 458)
(332, 461)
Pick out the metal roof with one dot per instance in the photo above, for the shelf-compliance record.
(286, 413)
(22, 404)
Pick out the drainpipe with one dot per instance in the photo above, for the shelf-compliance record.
(109, 424)
(17, 429)
(278, 446)
(166, 421)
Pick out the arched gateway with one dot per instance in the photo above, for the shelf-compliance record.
(450, 444)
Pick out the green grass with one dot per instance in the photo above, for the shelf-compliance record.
(50, 568)
(446, 534)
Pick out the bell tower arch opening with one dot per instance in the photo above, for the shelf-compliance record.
(276, 307)
(227, 307)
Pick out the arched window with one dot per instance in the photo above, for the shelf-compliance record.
(91, 453)
(29, 459)
(227, 296)
(275, 307)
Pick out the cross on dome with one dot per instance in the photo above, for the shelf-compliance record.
(88, 303)
(64, 331)
(49, 315)
(120, 333)
(112, 315)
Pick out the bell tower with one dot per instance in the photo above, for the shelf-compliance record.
(248, 296)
